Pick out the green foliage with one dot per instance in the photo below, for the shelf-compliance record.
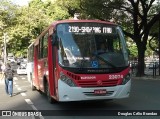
(132, 48)
(24, 24)
(7, 20)
(136, 18)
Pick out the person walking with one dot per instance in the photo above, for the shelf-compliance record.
(8, 72)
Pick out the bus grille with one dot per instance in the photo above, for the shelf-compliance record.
(92, 83)
(95, 83)
(73, 76)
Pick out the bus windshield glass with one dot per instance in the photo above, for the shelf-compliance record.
(91, 45)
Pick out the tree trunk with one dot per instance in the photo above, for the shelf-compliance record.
(141, 63)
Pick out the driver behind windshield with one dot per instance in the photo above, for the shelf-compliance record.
(102, 49)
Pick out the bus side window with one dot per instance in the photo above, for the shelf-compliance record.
(40, 48)
(55, 43)
(45, 46)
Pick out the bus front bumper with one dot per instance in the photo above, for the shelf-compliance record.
(67, 93)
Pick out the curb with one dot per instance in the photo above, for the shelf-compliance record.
(147, 78)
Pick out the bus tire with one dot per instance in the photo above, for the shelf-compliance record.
(32, 86)
(50, 99)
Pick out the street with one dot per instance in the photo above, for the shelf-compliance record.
(144, 96)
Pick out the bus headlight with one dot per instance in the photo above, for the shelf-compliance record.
(67, 80)
(126, 79)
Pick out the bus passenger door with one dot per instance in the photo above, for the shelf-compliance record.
(36, 80)
(51, 66)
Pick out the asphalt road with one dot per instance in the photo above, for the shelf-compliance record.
(145, 97)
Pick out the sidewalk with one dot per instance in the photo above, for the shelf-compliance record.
(7, 102)
(16, 103)
(146, 77)
(1, 79)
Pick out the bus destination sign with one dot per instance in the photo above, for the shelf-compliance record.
(86, 29)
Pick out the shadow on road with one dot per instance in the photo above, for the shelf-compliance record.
(17, 93)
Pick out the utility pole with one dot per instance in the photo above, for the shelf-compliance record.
(159, 36)
(4, 51)
(159, 45)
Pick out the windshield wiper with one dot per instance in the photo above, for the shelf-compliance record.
(106, 61)
(83, 61)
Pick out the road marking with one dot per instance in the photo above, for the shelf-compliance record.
(15, 78)
(23, 78)
(29, 101)
(19, 88)
(23, 94)
(33, 107)
(16, 85)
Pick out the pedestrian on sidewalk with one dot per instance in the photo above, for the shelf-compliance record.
(8, 79)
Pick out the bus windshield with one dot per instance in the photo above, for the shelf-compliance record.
(91, 45)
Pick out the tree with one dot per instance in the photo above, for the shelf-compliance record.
(153, 41)
(7, 20)
(136, 16)
(24, 23)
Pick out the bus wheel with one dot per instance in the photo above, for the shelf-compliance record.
(50, 99)
(32, 86)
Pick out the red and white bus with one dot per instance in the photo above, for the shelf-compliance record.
(69, 65)
(30, 55)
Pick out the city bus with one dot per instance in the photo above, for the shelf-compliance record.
(68, 64)
(30, 62)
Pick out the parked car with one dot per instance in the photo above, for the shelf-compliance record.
(19, 60)
(21, 70)
(23, 64)
(11, 59)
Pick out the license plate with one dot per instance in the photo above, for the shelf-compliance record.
(100, 92)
